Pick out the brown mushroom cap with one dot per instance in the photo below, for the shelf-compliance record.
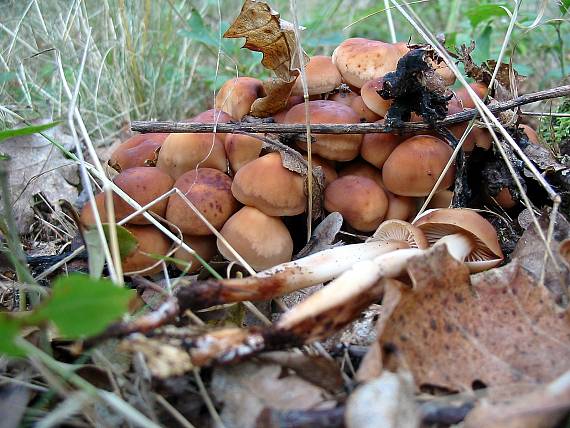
(360, 60)
(400, 231)
(370, 96)
(267, 185)
(149, 241)
(205, 246)
(342, 147)
(144, 185)
(212, 116)
(184, 152)
(400, 207)
(361, 201)
(505, 198)
(279, 117)
(362, 169)
(530, 133)
(415, 165)
(478, 137)
(322, 76)
(238, 94)
(345, 97)
(263, 241)
(139, 150)
(209, 190)
(376, 148)
(486, 253)
(466, 100)
(241, 149)
(87, 217)
(365, 114)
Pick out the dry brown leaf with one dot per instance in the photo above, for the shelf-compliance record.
(265, 32)
(278, 92)
(542, 408)
(248, 388)
(275, 38)
(454, 333)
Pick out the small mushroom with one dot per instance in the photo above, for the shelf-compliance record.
(365, 114)
(267, 185)
(238, 94)
(377, 147)
(413, 168)
(360, 200)
(139, 150)
(210, 192)
(212, 116)
(183, 152)
(204, 246)
(242, 149)
(343, 147)
(322, 76)
(328, 168)
(370, 96)
(263, 241)
(150, 241)
(362, 169)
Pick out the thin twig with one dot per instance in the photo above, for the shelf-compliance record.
(356, 128)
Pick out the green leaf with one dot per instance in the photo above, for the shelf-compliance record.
(484, 12)
(28, 130)
(127, 244)
(199, 31)
(9, 330)
(564, 6)
(81, 306)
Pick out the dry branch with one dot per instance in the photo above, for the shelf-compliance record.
(359, 128)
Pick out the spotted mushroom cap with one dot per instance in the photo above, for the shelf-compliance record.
(438, 223)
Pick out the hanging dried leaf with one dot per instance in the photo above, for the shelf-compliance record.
(265, 32)
(451, 332)
(275, 38)
(278, 92)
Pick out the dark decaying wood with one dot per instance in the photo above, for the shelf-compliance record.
(358, 128)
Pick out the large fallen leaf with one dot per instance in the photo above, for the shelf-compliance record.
(500, 327)
(248, 388)
(275, 38)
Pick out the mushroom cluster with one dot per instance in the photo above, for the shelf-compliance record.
(226, 183)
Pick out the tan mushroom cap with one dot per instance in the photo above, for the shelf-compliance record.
(209, 190)
(205, 246)
(139, 150)
(370, 96)
(505, 198)
(267, 185)
(376, 148)
(322, 76)
(149, 241)
(345, 97)
(466, 100)
(360, 60)
(144, 185)
(87, 216)
(400, 231)
(478, 137)
(530, 133)
(342, 147)
(279, 117)
(362, 169)
(361, 201)
(184, 152)
(263, 241)
(487, 252)
(365, 114)
(400, 207)
(238, 94)
(241, 149)
(415, 165)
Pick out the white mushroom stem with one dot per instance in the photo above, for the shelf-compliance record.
(287, 277)
(360, 285)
